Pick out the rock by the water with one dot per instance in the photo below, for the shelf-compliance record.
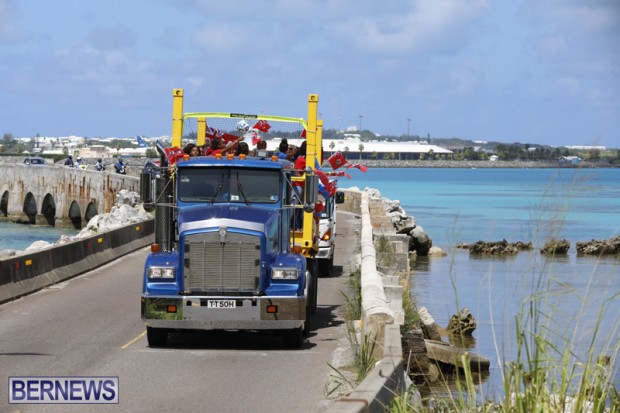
(462, 323)
(413, 341)
(125, 197)
(436, 252)
(420, 242)
(430, 329)
(38, 245)
(555, 247)
(599, 247)
(502, 247)
(372, 192)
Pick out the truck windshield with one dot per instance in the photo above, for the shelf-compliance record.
(329, 206)
(217, 185)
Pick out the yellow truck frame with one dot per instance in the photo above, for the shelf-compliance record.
(305, 241)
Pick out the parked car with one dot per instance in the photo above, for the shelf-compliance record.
(35, 160)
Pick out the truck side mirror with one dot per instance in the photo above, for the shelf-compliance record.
(146, 191)
(311, 190)
(340, 197)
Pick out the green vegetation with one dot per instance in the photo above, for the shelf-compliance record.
(385, 251)
(345, 379)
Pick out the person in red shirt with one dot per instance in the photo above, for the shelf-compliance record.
(218, 146)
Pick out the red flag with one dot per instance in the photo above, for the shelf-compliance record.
(262, 126)
(322, 176)
(362, 168)
(303, 134)
(337, 160)
(332, 187)
(173, 154)
(213, 133)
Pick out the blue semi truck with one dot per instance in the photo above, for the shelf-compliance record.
(236, 236)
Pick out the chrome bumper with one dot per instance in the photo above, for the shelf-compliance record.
(250, 313)
(325, 252)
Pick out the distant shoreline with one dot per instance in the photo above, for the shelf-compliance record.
(475, 164)
(393, 163)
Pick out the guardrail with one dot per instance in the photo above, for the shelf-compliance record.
(29, 272)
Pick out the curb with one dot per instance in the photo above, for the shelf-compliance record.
(388, 378)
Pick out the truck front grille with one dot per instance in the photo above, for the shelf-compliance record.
(222, 264)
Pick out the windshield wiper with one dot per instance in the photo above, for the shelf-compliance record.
(219, 189)
(240, 188)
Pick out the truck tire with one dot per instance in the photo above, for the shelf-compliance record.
(309, 294)
(313, 267)
(326, 267)
(293, 338)
(156, 337)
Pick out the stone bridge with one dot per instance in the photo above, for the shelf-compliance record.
(57, 195)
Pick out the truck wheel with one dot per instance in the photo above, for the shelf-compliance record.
(313, 268)
(326, 267)
(293, 338)
(156, 337)
(309, 294)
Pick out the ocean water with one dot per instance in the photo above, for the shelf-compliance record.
(20, 236)
(579, 296)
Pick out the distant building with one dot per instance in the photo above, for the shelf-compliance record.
(354, 148)
(493, 158)
(574, 160)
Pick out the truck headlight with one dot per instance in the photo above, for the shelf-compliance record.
(284, 274)
(161, 272)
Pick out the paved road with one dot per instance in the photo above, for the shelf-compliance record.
(91, 326)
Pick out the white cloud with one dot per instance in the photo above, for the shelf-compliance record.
(427, 25)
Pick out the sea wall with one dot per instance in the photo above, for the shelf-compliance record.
(382, 306)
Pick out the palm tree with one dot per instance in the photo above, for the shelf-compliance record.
(361, 148)
(331, 146)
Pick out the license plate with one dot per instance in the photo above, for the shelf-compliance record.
(221, 304)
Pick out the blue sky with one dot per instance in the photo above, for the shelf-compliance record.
(530, 71)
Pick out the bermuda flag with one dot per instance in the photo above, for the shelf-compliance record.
(173, 154)
(337, 160)
(262, 126)
(362, 168)
(255, 138)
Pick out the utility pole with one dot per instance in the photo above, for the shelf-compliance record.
(361, 116)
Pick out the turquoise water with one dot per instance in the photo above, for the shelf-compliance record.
(467, 205)
(20, 236)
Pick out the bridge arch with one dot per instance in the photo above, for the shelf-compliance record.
(30, 208)
(75, 215)
(4, 204)
(48, 209)
(91, 211)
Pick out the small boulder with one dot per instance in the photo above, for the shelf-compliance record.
(462, 323)
(502, 247)
(420, 242)
(555, 247)
(436, 252)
